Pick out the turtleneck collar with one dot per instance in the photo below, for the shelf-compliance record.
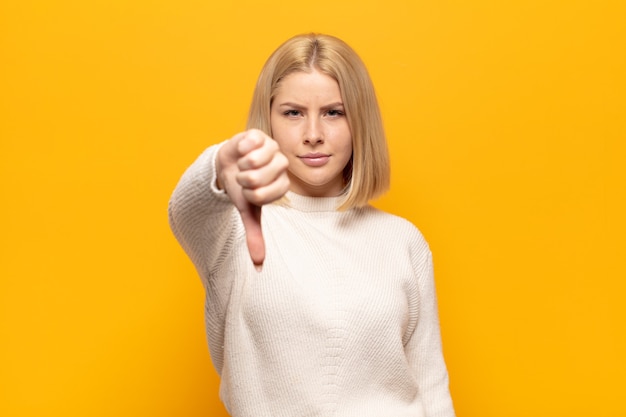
(312, 204)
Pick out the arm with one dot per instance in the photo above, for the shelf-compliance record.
(237, 176)
(424, 351)
(201, 216)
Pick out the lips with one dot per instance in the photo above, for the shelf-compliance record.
(314, 159)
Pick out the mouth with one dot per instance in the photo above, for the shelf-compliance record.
(314, 159)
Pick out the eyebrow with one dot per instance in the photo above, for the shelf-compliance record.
(300, 107)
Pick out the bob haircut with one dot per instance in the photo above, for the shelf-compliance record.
(366, 175)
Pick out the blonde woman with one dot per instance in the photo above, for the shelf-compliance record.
(317, 304)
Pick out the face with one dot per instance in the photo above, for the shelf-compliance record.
(309, 123)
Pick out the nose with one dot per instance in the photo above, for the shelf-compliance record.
(313, 133)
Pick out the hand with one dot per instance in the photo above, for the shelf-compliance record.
(253, 172)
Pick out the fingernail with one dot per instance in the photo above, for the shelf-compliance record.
(258, 267)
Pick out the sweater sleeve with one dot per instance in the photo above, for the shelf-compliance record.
(424, 350)
(202, 217)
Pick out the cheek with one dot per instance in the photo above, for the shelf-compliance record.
(278, 132)
(347, 139)
(346, 148)
(283, 136)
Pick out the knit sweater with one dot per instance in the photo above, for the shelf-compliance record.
(342, 320)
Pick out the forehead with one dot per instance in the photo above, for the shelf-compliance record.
(304, 85)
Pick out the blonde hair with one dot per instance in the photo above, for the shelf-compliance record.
(367, 174)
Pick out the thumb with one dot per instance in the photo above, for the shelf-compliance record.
(251, 218)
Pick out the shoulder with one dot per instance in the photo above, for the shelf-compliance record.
(393, 226)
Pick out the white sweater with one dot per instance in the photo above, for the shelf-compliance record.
(342, 320)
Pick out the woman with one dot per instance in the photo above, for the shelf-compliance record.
(323, 305)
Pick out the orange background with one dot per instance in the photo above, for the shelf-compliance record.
(506, 123)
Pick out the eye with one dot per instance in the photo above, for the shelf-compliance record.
(335, 113)
(292, 113)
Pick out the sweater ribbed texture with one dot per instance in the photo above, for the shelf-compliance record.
(342, 320)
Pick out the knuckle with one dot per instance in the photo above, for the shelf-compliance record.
(271, 146)
(251, 161)
(245, 179)
(254, 179)
(254, 195)
(284, 162)
(256, 135)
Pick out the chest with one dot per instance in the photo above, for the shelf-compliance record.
(320, 279)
